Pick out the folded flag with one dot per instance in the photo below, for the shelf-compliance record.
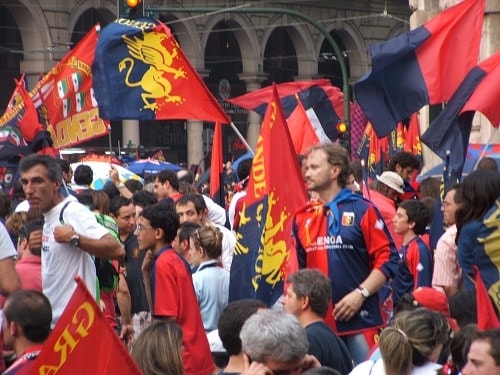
(422, 66)
(140, 72)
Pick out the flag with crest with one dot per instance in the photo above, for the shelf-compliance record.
(275, 191)
(140, 72)
(67, 96)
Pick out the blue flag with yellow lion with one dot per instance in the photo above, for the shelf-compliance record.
(140, 72)
(275, 191)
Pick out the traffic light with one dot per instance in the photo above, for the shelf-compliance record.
(343, 135)
(131, 8)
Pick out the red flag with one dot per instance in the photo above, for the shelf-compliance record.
(83, 342)
(486, 315)
(216, 166)
(378, 152)
(67, 93)
(485, 97)
(275, 191)
(301, 129)
(412, 142)
(142, 73)
(28, 124)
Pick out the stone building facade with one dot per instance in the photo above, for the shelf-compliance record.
(235, 51)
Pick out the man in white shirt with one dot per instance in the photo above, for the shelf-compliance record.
(70, 238)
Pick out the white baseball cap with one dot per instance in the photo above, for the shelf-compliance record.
(393, 180)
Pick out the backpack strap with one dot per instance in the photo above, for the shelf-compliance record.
(61, 219)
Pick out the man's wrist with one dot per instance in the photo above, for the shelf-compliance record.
(365, 293)
(119, 185)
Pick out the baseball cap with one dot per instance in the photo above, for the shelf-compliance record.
(393, 180)
(435, 300)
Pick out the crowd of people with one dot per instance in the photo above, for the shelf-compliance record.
(376, 292)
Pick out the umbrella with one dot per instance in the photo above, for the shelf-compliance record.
(237, 162)
(101, 173)
(146, 167)
(469, 166)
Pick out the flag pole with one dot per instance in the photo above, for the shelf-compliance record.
(483, 151)
(240, 136)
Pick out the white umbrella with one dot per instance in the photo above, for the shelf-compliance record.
(101, 173)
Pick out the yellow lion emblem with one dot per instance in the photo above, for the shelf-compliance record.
(151, 51)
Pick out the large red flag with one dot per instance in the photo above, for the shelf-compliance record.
(486, 316)
(275, 191)
(141, 72)
(216, 189)
(83, 342)
(68, 96)
(422, 66)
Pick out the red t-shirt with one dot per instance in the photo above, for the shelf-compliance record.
(174, 296)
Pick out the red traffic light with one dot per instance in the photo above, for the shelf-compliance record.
(342, 127)
(133, 3)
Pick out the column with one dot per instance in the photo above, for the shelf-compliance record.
(195, 152)
(130, 132)
(253, 82)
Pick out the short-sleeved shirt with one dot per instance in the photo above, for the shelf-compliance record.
(7, 249)
(173, 296)
(447, 272)
(415, 268)
(61, 262)
(133, 263)
(211, 284)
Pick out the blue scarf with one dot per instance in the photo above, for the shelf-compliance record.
(345, 195)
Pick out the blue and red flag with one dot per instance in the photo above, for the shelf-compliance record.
(140, 72)
(216, 186)
(422, 66)
(448, 135)
(275, 191)
(312, 109)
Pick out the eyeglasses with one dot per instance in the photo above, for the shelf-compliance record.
(140, 227)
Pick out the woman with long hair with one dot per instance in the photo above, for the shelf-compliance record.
(411, 346)
(480, 189)
(158, 349)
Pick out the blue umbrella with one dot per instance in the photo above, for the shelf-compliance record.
(469, 166)
(237, 162)
(145, 167)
